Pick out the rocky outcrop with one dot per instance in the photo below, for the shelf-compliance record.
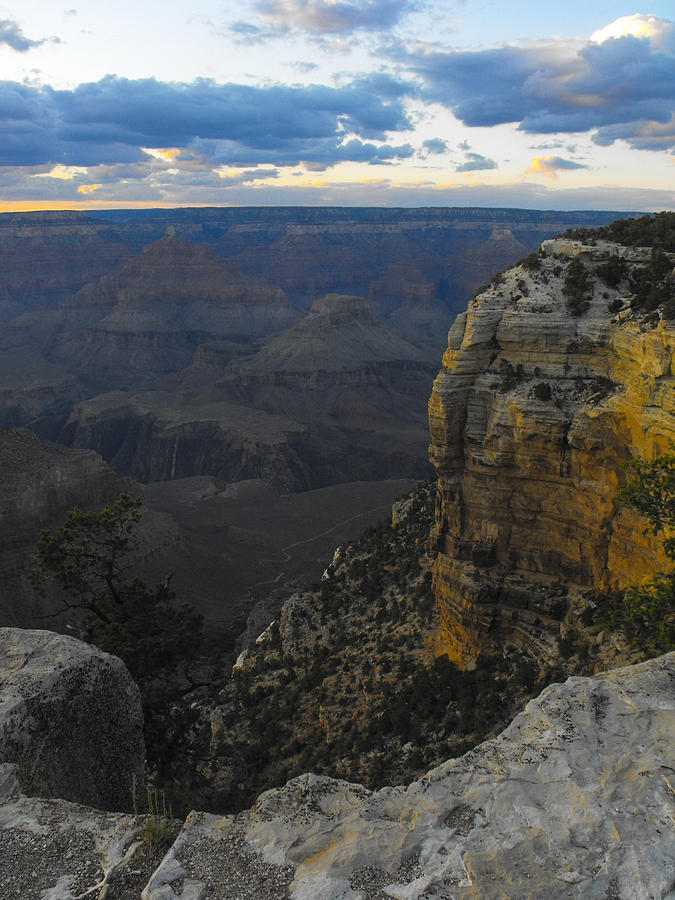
(572, 800)
(531, 418)
(71, 724)
(63, 851)
(157, 436)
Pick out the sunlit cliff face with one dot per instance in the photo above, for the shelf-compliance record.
(527, 487)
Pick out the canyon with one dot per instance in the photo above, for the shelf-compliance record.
(396, 669)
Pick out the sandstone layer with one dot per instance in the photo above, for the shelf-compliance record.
(573, 800)
(531, 418)
(71, 723)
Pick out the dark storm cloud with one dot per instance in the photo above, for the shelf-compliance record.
(12, 35)
(618, 84)
(333, 16)
(110, 120)
(473, 162)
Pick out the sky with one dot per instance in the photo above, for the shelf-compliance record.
(337, 102)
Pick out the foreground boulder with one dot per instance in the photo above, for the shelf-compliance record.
(573, 800)
(71, 723)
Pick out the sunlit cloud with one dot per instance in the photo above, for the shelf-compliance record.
(333, 16)
(658, 31)
(551, 165)
(88, 188)
(610, 86)
(169, 153)
(111, 120)
(65, 173)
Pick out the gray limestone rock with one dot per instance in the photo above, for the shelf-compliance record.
(56, 850)
(575, 799)
(71, 723)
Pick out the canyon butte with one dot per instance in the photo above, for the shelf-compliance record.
(539, 402)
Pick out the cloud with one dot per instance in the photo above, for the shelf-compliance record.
(333, 16)
(549, 165)
(12, 35)
(620, 82)
(109, 121)
(659, 31)
(435, 146)
(475, 161)
(230, 179)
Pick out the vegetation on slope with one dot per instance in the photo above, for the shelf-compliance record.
(656, 231)
(347, 683)
(88, 559)
(646, 613)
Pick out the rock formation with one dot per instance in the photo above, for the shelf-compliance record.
(71, 724)
(158, 436)
(573, 800)
(46, 256)
(531, 418)
(352, 393)
(128, 299)
(155, 311)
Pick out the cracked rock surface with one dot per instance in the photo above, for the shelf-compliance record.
(575, 799)
(71, 724)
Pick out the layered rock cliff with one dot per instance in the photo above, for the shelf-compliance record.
(339, 396)
(533, 414)
(154, 312)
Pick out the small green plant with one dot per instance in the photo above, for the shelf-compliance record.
(157, 824)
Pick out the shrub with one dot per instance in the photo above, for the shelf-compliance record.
(612, 271)
(531, 262)
(542, 391)
(576, 288)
